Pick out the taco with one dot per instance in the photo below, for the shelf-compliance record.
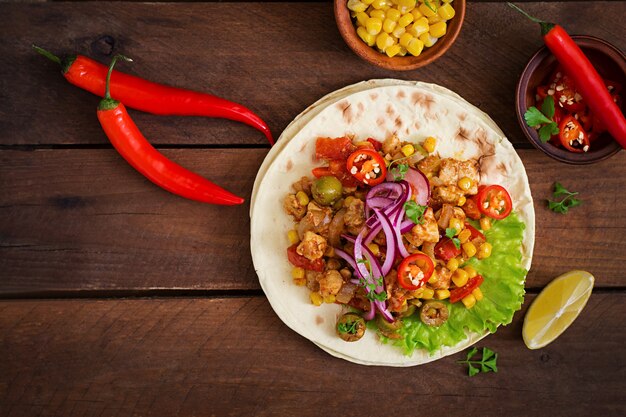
(412, 113)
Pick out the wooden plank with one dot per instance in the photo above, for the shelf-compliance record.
(231, 357)
(277, 58)
(75, 220)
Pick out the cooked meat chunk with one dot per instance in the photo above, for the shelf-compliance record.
(330, 283)
(317, 220)
(447, 194)
(425, 232)
(333, 263)
(312, 280)
(444, 276)
(312, 246)
(452, 170)
(303, 184)
(391, 145)
(354, 218)
(293, 208)
(430, 164)
(447, 213)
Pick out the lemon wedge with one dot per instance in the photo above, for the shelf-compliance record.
(556, 307)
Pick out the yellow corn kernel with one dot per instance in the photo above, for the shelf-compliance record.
(427, 294)
(465, 183)
(405, 39)
(419, 27)
(415, 47)
(383, 41)
(368, 2)
(416, 13)
(330, 252)
(393, 50)
(452, 264)
(461, 201)
(303, 198)
(405, 20)
(380, 14)
(356, 5)
(456, 224)
(484, 251)
(374, 248)
(329, 299)
(403, 51)
(407, 150)
(300, 282)
(478, 294)
(370, 40)
(469, 301)
(406, 6)
(349, 199)
(361, 18)
(297, 272)
(471, 272)
(446, 11)
(464, 235)
(374, 25)
(393, 14)
(485, 224)
(433, 278)
(316, 298)
(442, 294)
(426, 11)
(428, 40)
(460, 277)
(429, 144)
(443, 1)
(469, 249)
(293, 237)
(398, 31)
(389, 25)
(417, 293)
(379, 4)
(438, 29)
(434, 19)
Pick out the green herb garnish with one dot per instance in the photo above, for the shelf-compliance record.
(486, 364)
(535, 117)
(414, 211)
(349, 327)
(399, 171)
(568, 201)
(451, 233)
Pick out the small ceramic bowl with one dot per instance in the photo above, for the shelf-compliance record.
(347, 29)
(610, 64)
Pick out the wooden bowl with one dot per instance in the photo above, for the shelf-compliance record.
(610, 64)
(347, 29)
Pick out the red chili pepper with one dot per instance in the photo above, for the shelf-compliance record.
(572, 135)
(151, 97)
(585, 76)
(367, 166)
(410, 269)
(133, 146)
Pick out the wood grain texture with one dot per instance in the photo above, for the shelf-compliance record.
(84, 220)
(276, 58)
(233, 357)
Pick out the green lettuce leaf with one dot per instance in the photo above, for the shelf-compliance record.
(503, 291)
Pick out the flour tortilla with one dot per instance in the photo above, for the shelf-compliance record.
(376, 109)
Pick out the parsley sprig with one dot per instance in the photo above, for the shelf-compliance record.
(348, 327)
(371, 287)
(487, 362)
(451, 233)
(415, 212)
(568, 201)
(399, 171)
(535, 117)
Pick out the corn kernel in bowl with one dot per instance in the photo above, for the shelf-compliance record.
(401, 27)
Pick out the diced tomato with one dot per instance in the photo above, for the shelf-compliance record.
(471, 208)
(494, 201)
(333, 148)
(458, 294)
(300, 261)
(367, 166)
(474, 232)
(410, 269)
(572, 135)
(445, 249)
(376, 144)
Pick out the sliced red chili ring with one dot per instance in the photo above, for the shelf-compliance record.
(367, 166)
(494, 201)
(415, 271)
(458, 294)
(573, 136)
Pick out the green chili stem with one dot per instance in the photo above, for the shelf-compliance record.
(107, 91)
(545, 26)
(47, 54)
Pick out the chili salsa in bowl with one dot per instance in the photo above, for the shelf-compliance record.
(464, 134)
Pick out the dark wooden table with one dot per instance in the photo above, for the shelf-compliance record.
(121, 299)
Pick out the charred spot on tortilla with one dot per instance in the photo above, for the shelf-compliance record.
(431, 116)
(390, 111)
(374, 96)
(346, 110)
(289, 165)
(401, 94)
(319, 320)
(398, 122)
(416, 125)
(380, 122)
(463, 134)
(462, 116)
(361, 107)
(422, 100)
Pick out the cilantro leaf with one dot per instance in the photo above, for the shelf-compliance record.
(546, 131)
(457, 242)
(547, 107)
(400, 171)
(568, 201)
(414, 211)
(450, 232)
(487, 363)
(348, 327)
(534, 117)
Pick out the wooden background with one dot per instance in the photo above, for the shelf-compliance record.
(118, 298)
